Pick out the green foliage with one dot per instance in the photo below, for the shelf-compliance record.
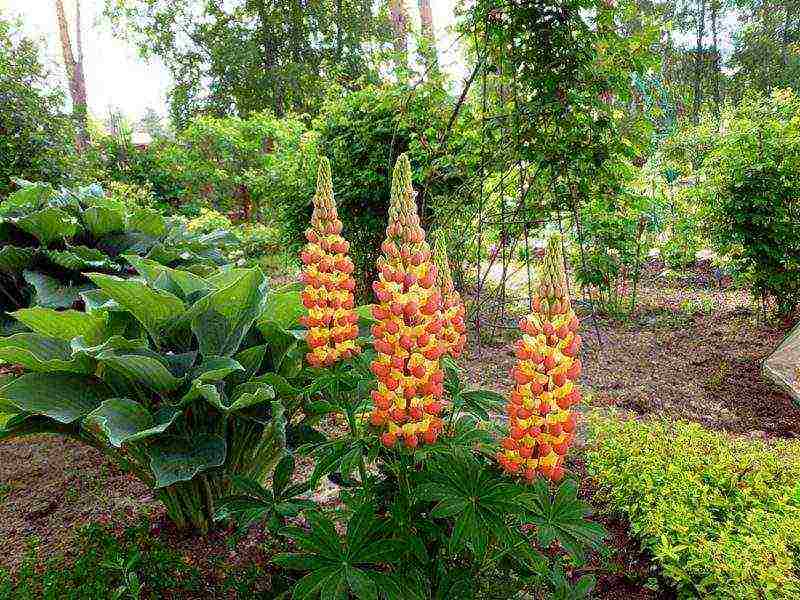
(250, 167)
(183, 380)
(752, 211)
(50, 239)
(362, 132)
(436, 522)
(36, 137)
(245, 57)
(719, 514)
(615, 232)
(111, 566)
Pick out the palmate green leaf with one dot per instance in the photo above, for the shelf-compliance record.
(15, 260)
(300, 562)
(283, 474)
(65, 324)
(363, 587)
(482, 403)
(312, 585)
(61, 396)
(562, 517)
(221, 319)
(49, 225)
(174, 459)
(51, 293)
(43, 354)
(147, 370)
(152, 308)
(118, 419)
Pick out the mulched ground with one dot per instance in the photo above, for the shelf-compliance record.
(692, 351)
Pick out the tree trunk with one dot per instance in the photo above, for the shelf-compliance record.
(398, 15)
(428, 51)
(701, 30)
(74, 68)
(715, 5)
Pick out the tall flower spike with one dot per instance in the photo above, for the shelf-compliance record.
(408, 400)
(327, 275)
(454, 331)
(541, 424)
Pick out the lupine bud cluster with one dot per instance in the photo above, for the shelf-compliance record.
(453, 334)
(541, 424)
(327, 274)
(408, 401)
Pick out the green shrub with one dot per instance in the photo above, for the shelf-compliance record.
(720, 515)
(362, 133)
(753, 195)
(37, 139)
(182, 380)
(49, 240)
(111, 566)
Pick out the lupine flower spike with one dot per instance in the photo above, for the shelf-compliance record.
(541, 424)
(408, 401)
(453, 333)
(327, 274)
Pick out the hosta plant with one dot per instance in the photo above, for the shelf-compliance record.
(50, 239)
(183, 380)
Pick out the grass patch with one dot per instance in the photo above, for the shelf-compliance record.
(720, 515)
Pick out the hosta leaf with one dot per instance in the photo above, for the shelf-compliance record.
(163, 421)
(222, 319)
(81, 258)
(15, 260)
(143, 369)
(26, 424)
(284, 309)
(40, 353)
(174, 459)
(152, 308)
(216, 368)
(51, 293)
(148, 221)
(188, 283)
(29, 197)
(48, 225)
(102, 220)
(65, 324)
(62, 397)
(119, 419)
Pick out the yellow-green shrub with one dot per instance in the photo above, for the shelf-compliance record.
(720, 515)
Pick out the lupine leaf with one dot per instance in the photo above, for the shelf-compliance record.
(363, 587)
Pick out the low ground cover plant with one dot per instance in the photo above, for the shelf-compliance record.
(720, 515)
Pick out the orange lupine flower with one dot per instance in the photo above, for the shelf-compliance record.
(454, 330)
(327, 274)
(541, 424)
(408, 401)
